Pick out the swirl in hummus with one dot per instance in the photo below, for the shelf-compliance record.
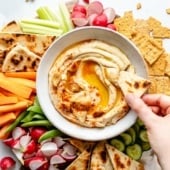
(83, 83)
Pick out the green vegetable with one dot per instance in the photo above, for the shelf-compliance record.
(50, 134)
(143, 135)
(35, 108)
(132, 133)
(117, 144)
(16, 122)
(145, 146)
(139, 122)
(134, 151)
(126, 138)
(45, 123)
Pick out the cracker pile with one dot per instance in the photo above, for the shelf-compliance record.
(148, 36)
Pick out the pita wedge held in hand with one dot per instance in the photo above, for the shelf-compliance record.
(120, 161)
(132, 83)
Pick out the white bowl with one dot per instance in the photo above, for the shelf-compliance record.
(77, 35)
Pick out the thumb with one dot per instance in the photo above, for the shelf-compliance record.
(141, 109)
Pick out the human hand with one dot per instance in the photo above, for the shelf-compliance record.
(154, 111)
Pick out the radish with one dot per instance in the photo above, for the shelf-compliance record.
(31, 147)
(49, 148)
(111, 26)
(91, 18)
(86, 1)
(45, 166)
(52, 167)
(80, 21)
(24, 141)
(68, 157)
(95, 7)
(36, 132)
(79, 8)
(18, 132)
(59, 141)
(57, 159)
(11, 142)
(7, 163)
(110, 14)
(70, 149)
(100, 20)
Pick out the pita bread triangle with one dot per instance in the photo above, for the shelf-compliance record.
(81, 162)
(120, 161)
(20, 59)
(132, 83)
(100, 159)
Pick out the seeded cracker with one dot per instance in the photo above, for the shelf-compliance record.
(162, 84)
(125, 24)
(167, 69)
(158, 68)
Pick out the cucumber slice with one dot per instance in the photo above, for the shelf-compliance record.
(117, 144)
(134, 151)
(143, 136)
(127, 139)
(145, 146)
(139, 122)
(136, 127)
(132, 133)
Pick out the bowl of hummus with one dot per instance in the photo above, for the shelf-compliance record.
(79, 84)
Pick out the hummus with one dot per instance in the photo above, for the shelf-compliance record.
(83, 83)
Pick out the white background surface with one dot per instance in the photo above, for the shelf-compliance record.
(16, 9)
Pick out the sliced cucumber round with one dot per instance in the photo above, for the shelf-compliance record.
(126, 138)
(145, 146)
(143, 136)
(134, 151)
(117, 144)
(132, 133)
(139, 122)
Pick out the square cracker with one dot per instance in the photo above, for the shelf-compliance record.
(162, 84)
(158, 67)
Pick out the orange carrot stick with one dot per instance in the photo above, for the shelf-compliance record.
(8, 100)
(14, 107)
(27, 75)
(7, 118)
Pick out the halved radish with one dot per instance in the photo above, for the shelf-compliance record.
(49, 148)
(36, 132)
(100, 20)
(111, 26)
(68, 157)
(80, 21)
(95, 7)
(18, 132)
(11, 142)
(24, 141)
(91, 19)
(110, 14)
(70, 149)
(57, 159)
(59, 141)
(79, 8)
(31, 147)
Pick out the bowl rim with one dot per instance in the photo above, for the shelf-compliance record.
(64, 125)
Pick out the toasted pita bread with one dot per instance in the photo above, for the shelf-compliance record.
(11, 27)
(35, 43)
(81, 162)
(81, 145)
(100, 159)
(132, 83)
(120, 161)
(20, 59)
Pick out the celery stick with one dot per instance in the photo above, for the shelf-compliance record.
(42, 22)
(39, 29)
(65, 15)
(46, 13)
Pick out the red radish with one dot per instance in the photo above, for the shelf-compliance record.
(49, 148)
(31, 147)
(44, 166)
(111, 26)
(7, 163)
(11, 142)
(36, 132)
(52, 167)
(57, 159)
(95, 7)
(18, 132)
(24, 141)
(110, 13)
(79, 8)
(80, 21)
(70, 149)
(68, 157)
(59, 141)
(100, 20)
(77, 14)
(91, 18)
(86, 1)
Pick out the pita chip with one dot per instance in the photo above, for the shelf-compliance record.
(132, 83)
(100, 159)
(120, 161)
(20, 59)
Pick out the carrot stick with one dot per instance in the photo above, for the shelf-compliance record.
(15, 88)
(27, 75)
(25, 82)
(7, 118)
(8, 100)
(3, 133)
(13, 107)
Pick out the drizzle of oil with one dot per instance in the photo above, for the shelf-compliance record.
(89, 74)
